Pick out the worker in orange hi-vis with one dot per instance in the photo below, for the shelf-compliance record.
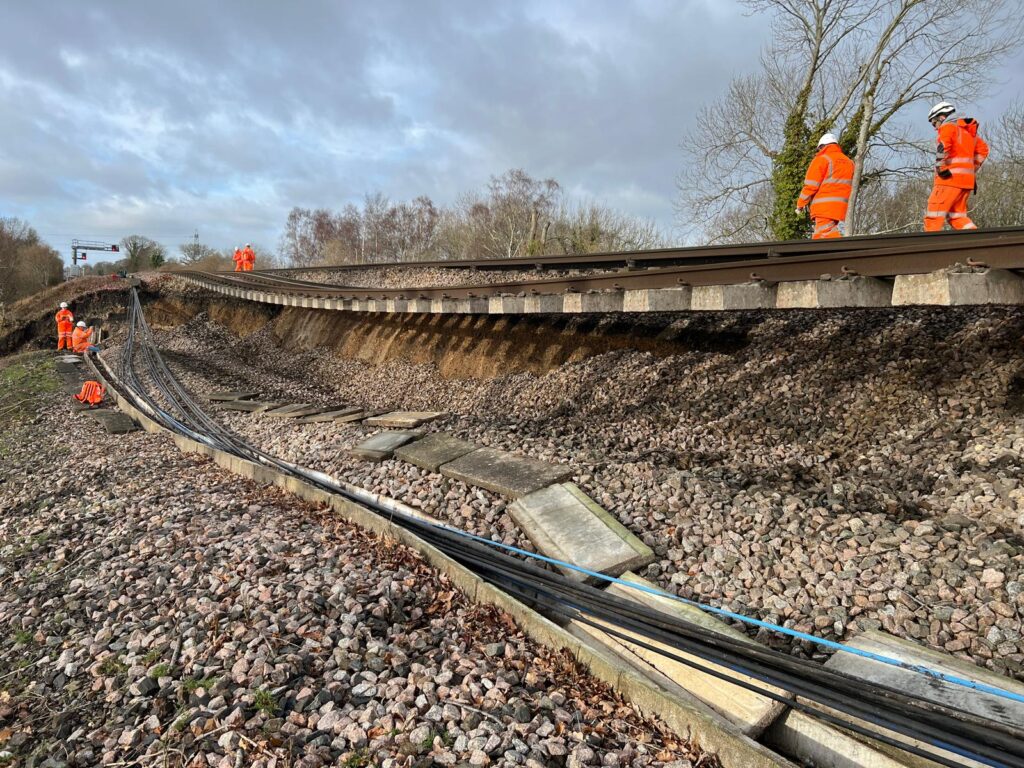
(92, 393)
(248, 258)
(65, 326)
(239, 264)
(81, 339)
(959, 153)
(827, 186)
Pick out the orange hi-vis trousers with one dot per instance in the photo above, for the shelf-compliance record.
(64, 339)
(947, 203)
(825, 229)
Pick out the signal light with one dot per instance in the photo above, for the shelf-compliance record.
(82, 257)
(114, 248)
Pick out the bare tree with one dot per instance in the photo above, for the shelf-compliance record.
(195, 252)
(141, 252)
(851, 63)
(26, 263)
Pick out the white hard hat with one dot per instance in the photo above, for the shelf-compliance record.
(80, 324)
(827, 138)
(247, 245)
(63, 305)
(940, 109)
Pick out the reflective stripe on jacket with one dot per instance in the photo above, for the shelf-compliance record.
(959, 153)
(828, 182)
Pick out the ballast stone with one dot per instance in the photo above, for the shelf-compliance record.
(434, 450)
(506, 473)
(566, 524)
(952, 288)
(750, 712)
(830, 294)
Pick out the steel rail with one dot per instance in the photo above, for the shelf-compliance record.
(941, 726)
(923, 256)
(702, 254)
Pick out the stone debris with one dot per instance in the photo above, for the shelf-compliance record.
(833, 470)
(161, 611)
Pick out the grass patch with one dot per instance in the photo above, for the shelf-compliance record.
(264, 701)
(151, 657)
(24, 381)
(22, 637)
(358, 759)
(112, 666)
(193, 684)
(160, 670)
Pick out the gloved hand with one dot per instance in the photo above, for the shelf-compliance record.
(945, 174)
(800, 210)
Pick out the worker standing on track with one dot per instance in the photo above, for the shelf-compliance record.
(81, 339)
(959, 153)
(248, 258)
(65, 326)
(238, 259)
(827, 186)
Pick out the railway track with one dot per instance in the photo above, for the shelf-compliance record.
(877, 257)
(908, 723)
(709, 254)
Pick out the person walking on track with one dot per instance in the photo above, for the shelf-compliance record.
(238, 259)
(827, 186)
(959, 153)
(65, 326)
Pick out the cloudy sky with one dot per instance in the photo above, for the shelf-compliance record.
(167, 118)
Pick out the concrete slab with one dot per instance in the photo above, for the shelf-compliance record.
(380, 446)
(419, 305)
(332, 415)
(403, 419)
(506, 473)
(750, 712)
(951, 288)
(249, 406)
(816, 743)
(506, 305)
(756, 295)
(841, 292)
(604, 301)
(115, 422)
(543, 303)
(220, 397)
(292, 410)
(1000, 709)
(566, 524)
(70, 359)
(434, 450)
(475, 306)
(657, 300)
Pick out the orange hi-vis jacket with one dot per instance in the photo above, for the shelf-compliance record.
(81, 339)
(65, 321)
(249, 256)
(827, 185)
(959, 153)
(92, 393)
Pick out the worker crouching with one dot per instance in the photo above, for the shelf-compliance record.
(92, 393)
(959, 153)
(827, 186)
(81, 339)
